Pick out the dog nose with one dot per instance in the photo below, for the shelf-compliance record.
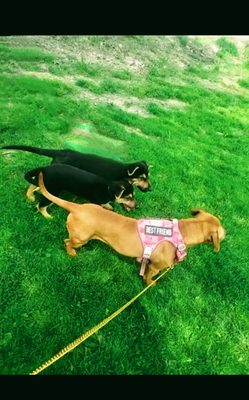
(131, 204)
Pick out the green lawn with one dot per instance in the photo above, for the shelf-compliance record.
(181, 104)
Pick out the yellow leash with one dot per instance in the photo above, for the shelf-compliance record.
(90, 332)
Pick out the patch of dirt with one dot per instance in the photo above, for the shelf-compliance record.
(171, 103)
(138, 132)
(240, 40)
(226, 84)
(134, 64)
(136, 54)
(68, 79)
(103, 50)
(130, 104)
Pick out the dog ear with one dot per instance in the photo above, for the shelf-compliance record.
(216, 241)
(119, 195)
(132, 172)
(146, 166)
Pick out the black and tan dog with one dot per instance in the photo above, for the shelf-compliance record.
(89, 221)
(62, 177)
(111, 170)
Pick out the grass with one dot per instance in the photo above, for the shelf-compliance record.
(24, 54)
(183, 40)
(227, 47)
(244, 83)
(195, 321)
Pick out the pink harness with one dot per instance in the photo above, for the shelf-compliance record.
(154, 231)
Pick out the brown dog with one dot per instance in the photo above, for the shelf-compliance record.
(89, 221)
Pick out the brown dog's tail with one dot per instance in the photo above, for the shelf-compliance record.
(67, 205)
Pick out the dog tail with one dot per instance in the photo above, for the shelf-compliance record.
(42, 152)
(67, 205)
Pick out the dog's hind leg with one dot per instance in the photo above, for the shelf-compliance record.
(42, 207)
(77, 237)
(30, 192)
(71, 244)
(43, 211)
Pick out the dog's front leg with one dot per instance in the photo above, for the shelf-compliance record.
(107, 206)
(150, 272)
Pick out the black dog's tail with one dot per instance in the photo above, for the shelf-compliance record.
(43, 152)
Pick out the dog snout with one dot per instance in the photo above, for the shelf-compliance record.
(142, 183)
(145, 189)
(131, 204)
(222, 233)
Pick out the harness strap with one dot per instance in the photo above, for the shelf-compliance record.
(144, 264)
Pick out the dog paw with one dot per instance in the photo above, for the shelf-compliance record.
(31, 198)
(107, 206)
(72, 252)
(150, 282)
(48, 216)
(43, 211)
